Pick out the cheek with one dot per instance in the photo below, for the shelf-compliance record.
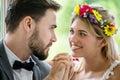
(86, 43)
(84, 40)
(45, 38)
(44, 34)
(90, 43)
(69, 39)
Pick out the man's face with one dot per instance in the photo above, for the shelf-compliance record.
(43, 35)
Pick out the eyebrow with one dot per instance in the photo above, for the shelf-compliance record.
(79, 30)
(82, 31)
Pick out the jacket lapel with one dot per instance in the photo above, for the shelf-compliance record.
(4, 62)
(36, 70)
(36, 73)
(40, 69)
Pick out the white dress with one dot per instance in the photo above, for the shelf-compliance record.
(109, 71)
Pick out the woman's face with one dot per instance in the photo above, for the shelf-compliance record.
(82, 42)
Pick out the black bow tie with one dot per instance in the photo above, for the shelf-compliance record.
(25, 65)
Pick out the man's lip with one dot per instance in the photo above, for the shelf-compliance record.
(49, 45)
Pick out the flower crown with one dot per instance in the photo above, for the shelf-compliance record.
(95, 17)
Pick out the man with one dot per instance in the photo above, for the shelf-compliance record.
(30, 28)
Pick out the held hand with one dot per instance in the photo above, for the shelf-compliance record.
(66, 59)
(57, 71)
(62, 67)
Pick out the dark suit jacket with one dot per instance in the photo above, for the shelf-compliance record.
(40, 70)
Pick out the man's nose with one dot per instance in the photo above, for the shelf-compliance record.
(53, 39)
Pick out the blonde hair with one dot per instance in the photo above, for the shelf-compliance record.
(108, 51)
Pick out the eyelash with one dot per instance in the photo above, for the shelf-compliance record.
(52, 28)
(71, 31)
(82, 34)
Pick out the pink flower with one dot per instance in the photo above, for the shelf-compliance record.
(85, 10)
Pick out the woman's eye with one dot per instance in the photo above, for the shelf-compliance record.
(82, 34)
(71, 31)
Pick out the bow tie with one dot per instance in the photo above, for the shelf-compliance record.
(25, 65)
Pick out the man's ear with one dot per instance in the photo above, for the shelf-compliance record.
(28, 23)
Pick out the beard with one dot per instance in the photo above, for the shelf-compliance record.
(37, 47)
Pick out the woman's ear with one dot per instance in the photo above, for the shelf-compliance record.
(102, 42)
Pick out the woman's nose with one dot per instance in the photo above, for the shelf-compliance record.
(73, 38)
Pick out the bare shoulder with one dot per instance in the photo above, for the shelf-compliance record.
(116, 75)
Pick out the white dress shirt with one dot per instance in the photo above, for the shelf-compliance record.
(19, 74)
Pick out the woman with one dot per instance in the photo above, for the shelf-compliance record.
(91, 31)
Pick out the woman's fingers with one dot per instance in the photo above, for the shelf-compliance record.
(64, 56)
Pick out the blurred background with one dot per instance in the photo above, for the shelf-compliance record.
(63, 21)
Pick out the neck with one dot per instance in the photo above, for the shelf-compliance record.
(17, 46)
(96, 66)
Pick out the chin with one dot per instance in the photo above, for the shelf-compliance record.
(75, 54)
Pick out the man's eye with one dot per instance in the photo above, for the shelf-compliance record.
(52, 27)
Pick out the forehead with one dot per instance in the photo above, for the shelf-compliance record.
(49, 17)
(79, 24)
(50, 13)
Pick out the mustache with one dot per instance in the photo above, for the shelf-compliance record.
(49, 45)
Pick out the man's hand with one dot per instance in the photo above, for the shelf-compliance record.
(61, 67)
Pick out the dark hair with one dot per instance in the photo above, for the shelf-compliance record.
(18, 9)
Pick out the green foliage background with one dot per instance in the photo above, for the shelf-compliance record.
(1, 18)
(63, 21)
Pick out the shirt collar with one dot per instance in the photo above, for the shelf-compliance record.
(12, 57)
